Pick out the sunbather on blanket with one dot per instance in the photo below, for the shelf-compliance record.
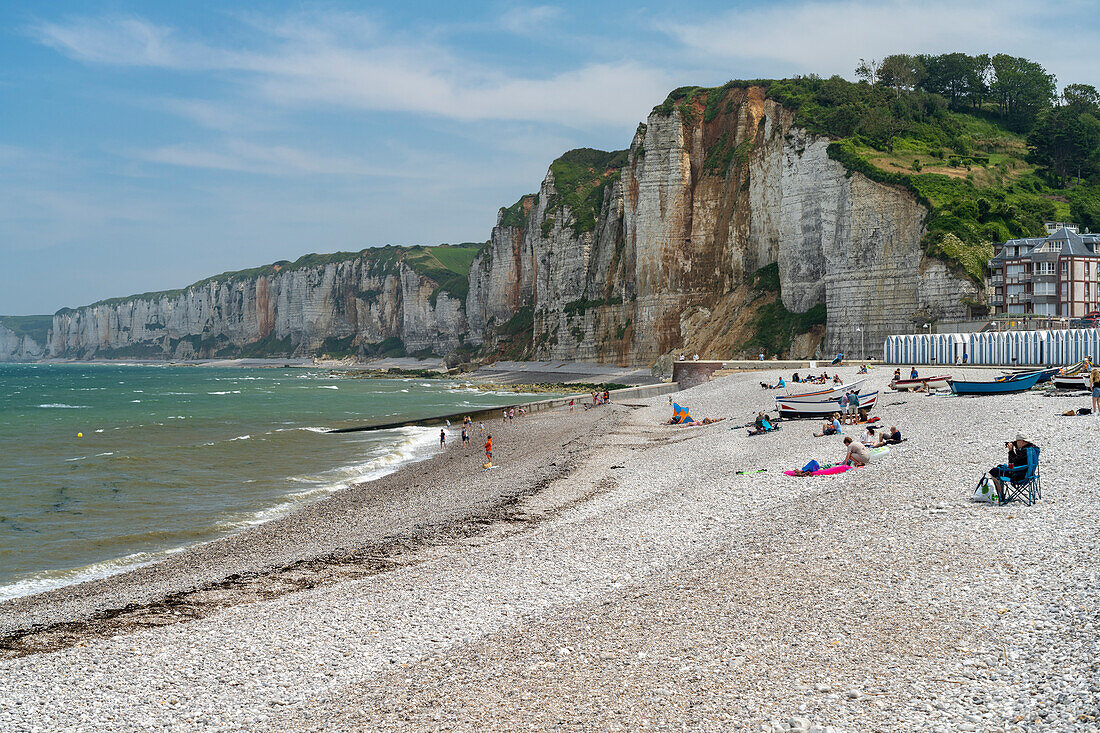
(889, 437)
(761, 425)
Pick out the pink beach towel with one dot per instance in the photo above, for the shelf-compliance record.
(824, 471)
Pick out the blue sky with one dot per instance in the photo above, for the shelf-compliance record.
(145, 145)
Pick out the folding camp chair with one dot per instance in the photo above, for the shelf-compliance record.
(1027, 489)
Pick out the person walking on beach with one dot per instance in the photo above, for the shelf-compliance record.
(465, 438)
(489, 450)
(442, 438)
(504, 415)
(570, 405)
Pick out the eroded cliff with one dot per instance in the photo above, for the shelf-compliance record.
(724, 229)
(708, 194)
(390, 299)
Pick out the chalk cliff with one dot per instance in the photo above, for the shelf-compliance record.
(351, 304)
(19, 347)
(620, 256)
(697, 207)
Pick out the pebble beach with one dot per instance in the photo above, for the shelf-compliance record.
(616, 573)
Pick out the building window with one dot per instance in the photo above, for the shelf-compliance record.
(1087, 264)
(1065, 267)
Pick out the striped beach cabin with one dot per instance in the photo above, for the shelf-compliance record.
(1006, 348)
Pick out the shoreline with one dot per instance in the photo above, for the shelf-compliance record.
(655, 577)
(353, 526)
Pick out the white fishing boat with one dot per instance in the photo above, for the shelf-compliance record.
(791, 409)
(825, 394)
(927, 383)
(1072, 381)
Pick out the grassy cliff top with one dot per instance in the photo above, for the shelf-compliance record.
(968, 164)
(580, 178)
(446, 264)
(37, 327)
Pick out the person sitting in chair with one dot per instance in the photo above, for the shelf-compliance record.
(1015, 469)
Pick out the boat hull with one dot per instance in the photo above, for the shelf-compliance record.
(904, 385)
(796, 409)
(823, 395)
(1075, 381)
(1021, 384)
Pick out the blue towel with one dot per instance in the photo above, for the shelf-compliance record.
(811, 466)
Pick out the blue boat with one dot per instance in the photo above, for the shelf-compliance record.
(1045, 375)
(1020, 384)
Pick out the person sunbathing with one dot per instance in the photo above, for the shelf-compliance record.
(830, 428)
(857, 454)
(889, 437)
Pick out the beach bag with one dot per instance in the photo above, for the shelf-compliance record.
(986, 491)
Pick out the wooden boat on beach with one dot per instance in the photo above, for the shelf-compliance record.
(823, 395)
(1008, 386)
(1044, 375)
(795, 409)
(928, 383)
(1072, 381)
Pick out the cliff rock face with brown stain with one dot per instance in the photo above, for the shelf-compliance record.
(696, 209)
(625, 256)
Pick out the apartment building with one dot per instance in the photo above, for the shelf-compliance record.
(1056, 275)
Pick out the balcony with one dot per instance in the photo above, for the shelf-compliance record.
(996, 280)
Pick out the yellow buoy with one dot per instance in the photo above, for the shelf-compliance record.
(80, 435)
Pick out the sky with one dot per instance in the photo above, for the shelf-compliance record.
(146, 145)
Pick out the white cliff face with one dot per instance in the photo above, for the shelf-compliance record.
(14, 347)
(301, 311)
(695, 209)
(684, 226)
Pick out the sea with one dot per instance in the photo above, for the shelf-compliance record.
(107, 467)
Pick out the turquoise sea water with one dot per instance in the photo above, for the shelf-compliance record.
(171, 456)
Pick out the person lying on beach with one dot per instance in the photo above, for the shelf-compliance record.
(830, 428)
(889, 437)
(857, 454)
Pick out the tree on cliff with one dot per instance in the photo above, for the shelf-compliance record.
(902, 72)
(1065, 141)
(1022, 89)
(868, 71)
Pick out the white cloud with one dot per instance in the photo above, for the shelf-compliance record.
(322, 60)
(529, 20)
(245, 157)
(826, 37)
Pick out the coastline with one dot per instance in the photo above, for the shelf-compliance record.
(421, 499)
(660, 579)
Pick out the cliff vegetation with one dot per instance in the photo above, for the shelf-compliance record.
(984, 142)
(37, 327)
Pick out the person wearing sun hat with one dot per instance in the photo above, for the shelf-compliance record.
(1016, 468)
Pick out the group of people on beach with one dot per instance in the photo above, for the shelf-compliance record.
(823, 378)
(467, 435)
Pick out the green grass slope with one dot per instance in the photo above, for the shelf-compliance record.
(969, 168)
(37, 327)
